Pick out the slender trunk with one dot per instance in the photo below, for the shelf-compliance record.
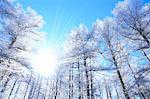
(50, 96)
(39, 88)
(118, 72)
(32, 96)
(140, 93)
(17, 91)
(123, 85)
(56, 89)
(69, 83)
(91, 82)
(72, 81)
(27, 86)
(79, 81)
(5, 84)
(87, 79)
(109, 92)
(60, 83)
(12, 88)
(46, 89)
(31, 89)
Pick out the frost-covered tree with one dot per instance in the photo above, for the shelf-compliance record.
(80, 52)
(19, 33)
(134, 21)
(109, 47)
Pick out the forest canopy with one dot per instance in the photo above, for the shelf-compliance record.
(109, 60)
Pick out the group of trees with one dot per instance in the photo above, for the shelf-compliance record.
(19, 33)
(111, 60)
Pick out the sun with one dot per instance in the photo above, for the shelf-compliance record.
(45, 61)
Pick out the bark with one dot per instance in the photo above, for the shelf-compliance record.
(70, 83)
(79, 81)
(16, 92)
(91, 81)
(60, 84)
(35, 88)
(5, 84)
(27, 86)
(39, 88)
(46, 89)
(12, 88)
(123, 85)
(51, 93)
(56, 88)
(31, 89)
(87, 79)
(141, 94)
(109, 92)
(118, 71)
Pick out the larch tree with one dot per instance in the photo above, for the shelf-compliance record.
(133, 19)
(108, 47)
(19, 32)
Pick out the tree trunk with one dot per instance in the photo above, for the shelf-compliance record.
(32, 96)
(140, 93)
(50, 96)
(69, 83)
(39, 88)
(16, 92)
(12, 88)
(91, 82)
(27, 86)
(46, 88)
(109, 92)
(79, 81)
(56, 88)
(118, 72)
(5, 84)
(87, 79)
(31, 89)
(72, 81)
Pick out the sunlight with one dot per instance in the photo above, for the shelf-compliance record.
(45, 61)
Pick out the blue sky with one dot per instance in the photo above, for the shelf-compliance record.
(62, 15)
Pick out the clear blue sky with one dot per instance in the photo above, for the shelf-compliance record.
(61, 15)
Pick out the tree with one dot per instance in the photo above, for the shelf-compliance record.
(132, 17)
(134, 21)
(79, 54)
(19, 33)
(108, 42)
